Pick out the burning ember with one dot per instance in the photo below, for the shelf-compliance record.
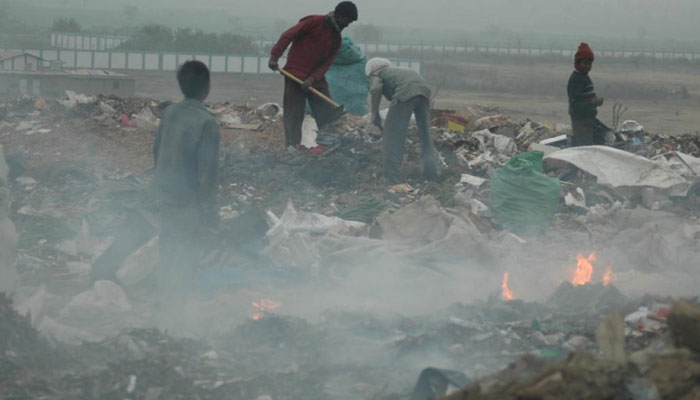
(264, 305)
(608, 277)
(584, 269)
(506, 293)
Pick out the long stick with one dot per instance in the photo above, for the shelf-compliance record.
(313, 89)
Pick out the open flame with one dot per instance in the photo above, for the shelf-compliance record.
(262, 306)
(608, 277)
(506, 293)
(584, 269)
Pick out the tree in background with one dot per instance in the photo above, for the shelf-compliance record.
(230, 43)
(66, 25)
(187, 39)
(131, 11)
(366, 33)
(150, 37)
(155, 37)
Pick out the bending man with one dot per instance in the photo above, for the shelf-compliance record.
(409, 95)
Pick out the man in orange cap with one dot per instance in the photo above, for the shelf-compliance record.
(583, 102)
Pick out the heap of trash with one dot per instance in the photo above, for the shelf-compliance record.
(566, 254)
(667, 369)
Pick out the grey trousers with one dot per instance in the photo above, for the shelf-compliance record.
(179, 252)
(395, 131)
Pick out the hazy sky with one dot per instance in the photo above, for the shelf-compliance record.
(668, 18)
(646, 19)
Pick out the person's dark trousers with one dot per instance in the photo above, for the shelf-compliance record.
(587, 132)
(294, 108)
(395, 130)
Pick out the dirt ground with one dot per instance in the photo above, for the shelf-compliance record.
(663, 98)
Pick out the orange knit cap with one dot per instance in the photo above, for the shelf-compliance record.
(584, 53)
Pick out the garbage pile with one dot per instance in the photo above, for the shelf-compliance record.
(136, 363)
(651, 171)
(510, 193)
(351, 354)
(494, 177)
(667, 369)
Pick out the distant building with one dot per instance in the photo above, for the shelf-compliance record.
(20, 61)
(26, 74)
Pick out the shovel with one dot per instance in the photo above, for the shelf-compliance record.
(338, 110)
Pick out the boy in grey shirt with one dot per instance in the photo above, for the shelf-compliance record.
(186, 181)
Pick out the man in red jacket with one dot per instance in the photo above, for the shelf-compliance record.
(315, 42)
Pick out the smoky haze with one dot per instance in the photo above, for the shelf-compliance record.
(364, 311)
(637, 20)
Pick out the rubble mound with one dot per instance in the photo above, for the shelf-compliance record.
(660, 371)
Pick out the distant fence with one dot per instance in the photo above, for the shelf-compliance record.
(71, 41)
(148, 61)
(379, 48)
(75, 41)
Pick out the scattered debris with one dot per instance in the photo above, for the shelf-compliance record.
(631, 127)
(655, 372)
(78, 227)
(620, 170)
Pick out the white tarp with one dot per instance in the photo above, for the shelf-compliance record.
(684, 164)
(623, 171)
(419, 232)
(294, 237)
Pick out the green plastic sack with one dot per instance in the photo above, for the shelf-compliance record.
(347, 80)
(523, 198)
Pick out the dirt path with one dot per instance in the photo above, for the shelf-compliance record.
(670, 116)
(108, 149)
(654, 94)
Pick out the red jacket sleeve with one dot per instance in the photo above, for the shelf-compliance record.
(288, 37)
(318, 74)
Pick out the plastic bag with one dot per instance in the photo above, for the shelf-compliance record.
(523, 198)
(347, 80)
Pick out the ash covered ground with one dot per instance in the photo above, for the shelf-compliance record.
(324, 284)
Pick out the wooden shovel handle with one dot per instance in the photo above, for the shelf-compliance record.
(313, 89)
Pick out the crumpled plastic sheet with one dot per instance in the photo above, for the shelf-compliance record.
(625, 172)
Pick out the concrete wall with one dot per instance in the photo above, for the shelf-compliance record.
(8, 235)
(55, 85)
(146, 61)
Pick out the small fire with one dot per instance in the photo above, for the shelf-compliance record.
(506, 293)
(584, 269)
(264, 305)
(609, 277)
